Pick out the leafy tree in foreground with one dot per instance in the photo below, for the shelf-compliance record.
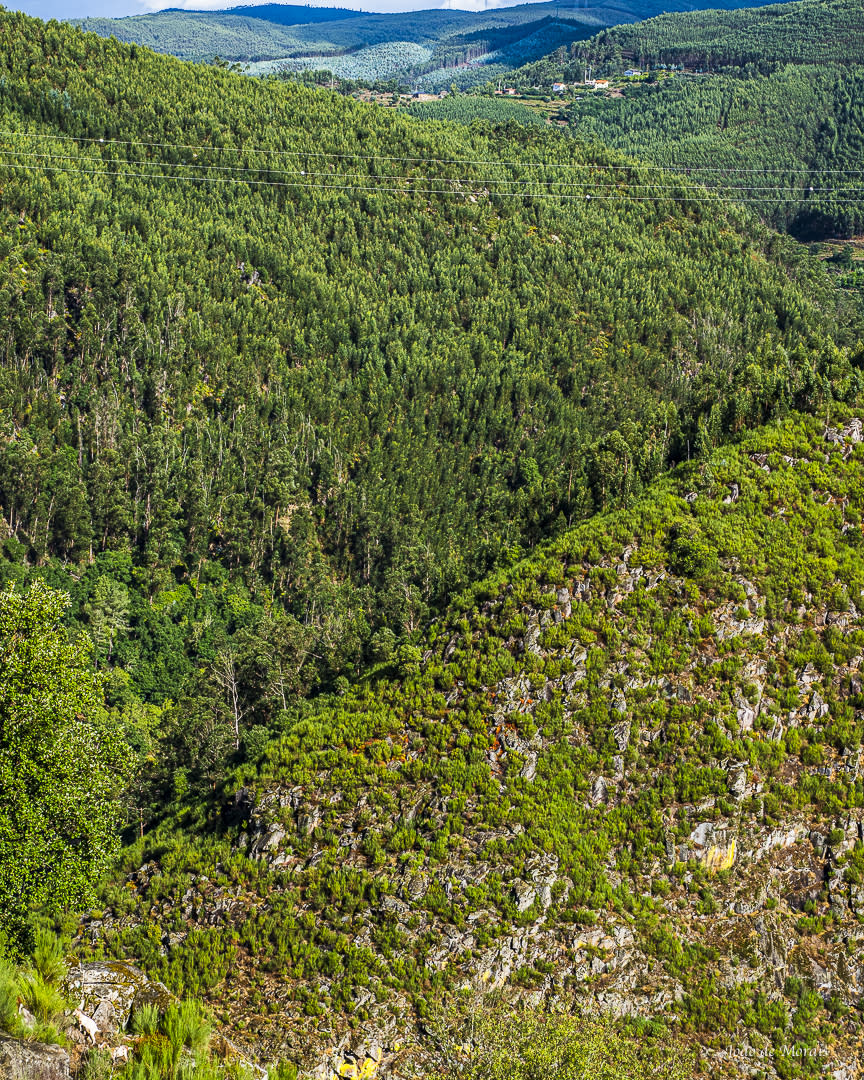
(62, 763)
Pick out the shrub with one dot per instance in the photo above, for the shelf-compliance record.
(42, 998)
(534, 1044)
(186, 1025)
(145, 1020)
(9, 991)
(96, 1065)
(48, 957)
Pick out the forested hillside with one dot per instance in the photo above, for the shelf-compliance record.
(501, 37)
(408, 665)
(804, 32)
(624, 773)
(790, 144)
(780, 126)
(807, 31)
(282, 371)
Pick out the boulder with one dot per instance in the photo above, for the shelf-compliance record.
(111, 990)
(32, 1060)
(524, 894)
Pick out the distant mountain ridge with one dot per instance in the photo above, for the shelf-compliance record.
(264, 32)
(280, 14)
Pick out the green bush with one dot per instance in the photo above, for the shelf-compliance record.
(145, 1020)
(9, 993)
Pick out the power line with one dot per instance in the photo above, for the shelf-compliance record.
(633, 167)
(706, 196)
(407, 179)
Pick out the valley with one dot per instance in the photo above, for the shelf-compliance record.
(431, 557)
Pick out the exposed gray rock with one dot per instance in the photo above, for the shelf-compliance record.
(779, 838)
(21, 1060)
(739, 788)
(525, 895)
(531, 639)
(308, 823)
(849, 433)
(745, 715)
(105, 1016)
(529, 769)
(714, 844)
(599, 791)
(99, 984)
(268, 841)
(621, 734)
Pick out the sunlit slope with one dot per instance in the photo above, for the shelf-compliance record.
(627, 769)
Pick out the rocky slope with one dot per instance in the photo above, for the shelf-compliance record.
(627, 769)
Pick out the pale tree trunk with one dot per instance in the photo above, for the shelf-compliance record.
(225, 671)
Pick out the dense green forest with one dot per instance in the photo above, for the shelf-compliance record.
(282, 371)
(780, 127)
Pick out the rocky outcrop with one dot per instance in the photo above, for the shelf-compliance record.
(20, 1060)
(109, 991)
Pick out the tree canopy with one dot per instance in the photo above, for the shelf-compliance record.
(62, 763)
(282, 367)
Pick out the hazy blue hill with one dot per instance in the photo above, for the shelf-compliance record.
(200, 35)
(195, 35)
(271, 31)
(288, 14)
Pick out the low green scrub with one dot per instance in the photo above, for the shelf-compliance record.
(32, 1004)
(499, 1042)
